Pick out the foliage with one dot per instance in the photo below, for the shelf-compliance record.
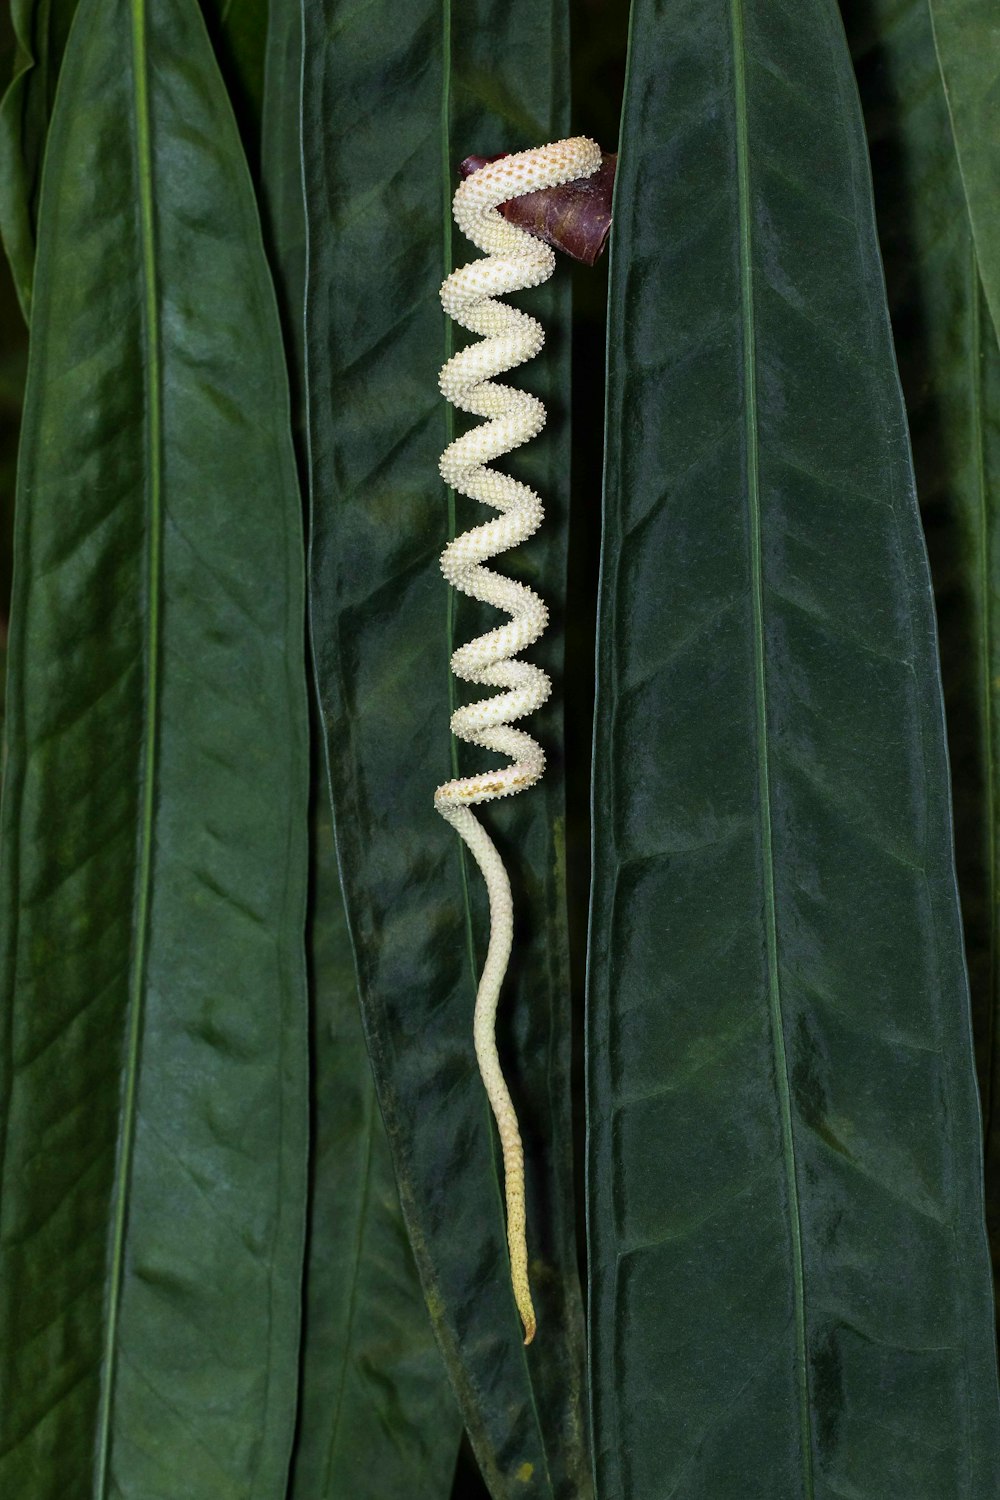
(251, 1225)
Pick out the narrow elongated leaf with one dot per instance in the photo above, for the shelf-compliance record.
(153, 1086)
(395, 97)
(791, 1292)
(950, 367)
(377, 1417)
(983, 548)
(967, 33)
(376, 1413)
(41, 28)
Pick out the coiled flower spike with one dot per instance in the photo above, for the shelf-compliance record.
(514, 260)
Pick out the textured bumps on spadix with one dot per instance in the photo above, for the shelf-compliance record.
(515, 261)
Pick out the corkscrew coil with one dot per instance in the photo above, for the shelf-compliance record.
(514, 260)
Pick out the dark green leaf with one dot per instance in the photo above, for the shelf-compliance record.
(41, 28)
(950, 367)
(983, 548)
(13, 359)
(395, 96)
(377, 1417)
(153, 1057)
(791, 1293)
(967, 33)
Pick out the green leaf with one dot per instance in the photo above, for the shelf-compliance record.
(967, 34)
(950, 368)
(153, 1059)
(983, 543)
(395, 95)
(790, 1283)
(377, 1417)
(238, 29)
(41, 28)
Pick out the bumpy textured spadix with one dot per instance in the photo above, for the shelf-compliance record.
(514, 260)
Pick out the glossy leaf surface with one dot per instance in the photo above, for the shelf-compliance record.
(791, 1292)
(967, 33)
(395, 97)
(950, 368)
(376, 1412)
(377, 1417)
(41, 27)
(154, 1082)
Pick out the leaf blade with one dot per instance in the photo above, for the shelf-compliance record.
(368, 1352)
(184, 1202)
(381, 621)
(752, 440)
(726, 1062)
(377, 1415)
(949, 361)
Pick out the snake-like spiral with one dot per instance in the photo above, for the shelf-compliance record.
(515, 260)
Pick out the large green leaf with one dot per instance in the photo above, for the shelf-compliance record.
(790, 1283)
(395, 95)
(950, 368)
(41, 28)
(153, 1086)
(377, 1417)
(967, 33)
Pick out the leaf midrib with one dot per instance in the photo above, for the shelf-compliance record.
(152, 353)
(761, 728)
